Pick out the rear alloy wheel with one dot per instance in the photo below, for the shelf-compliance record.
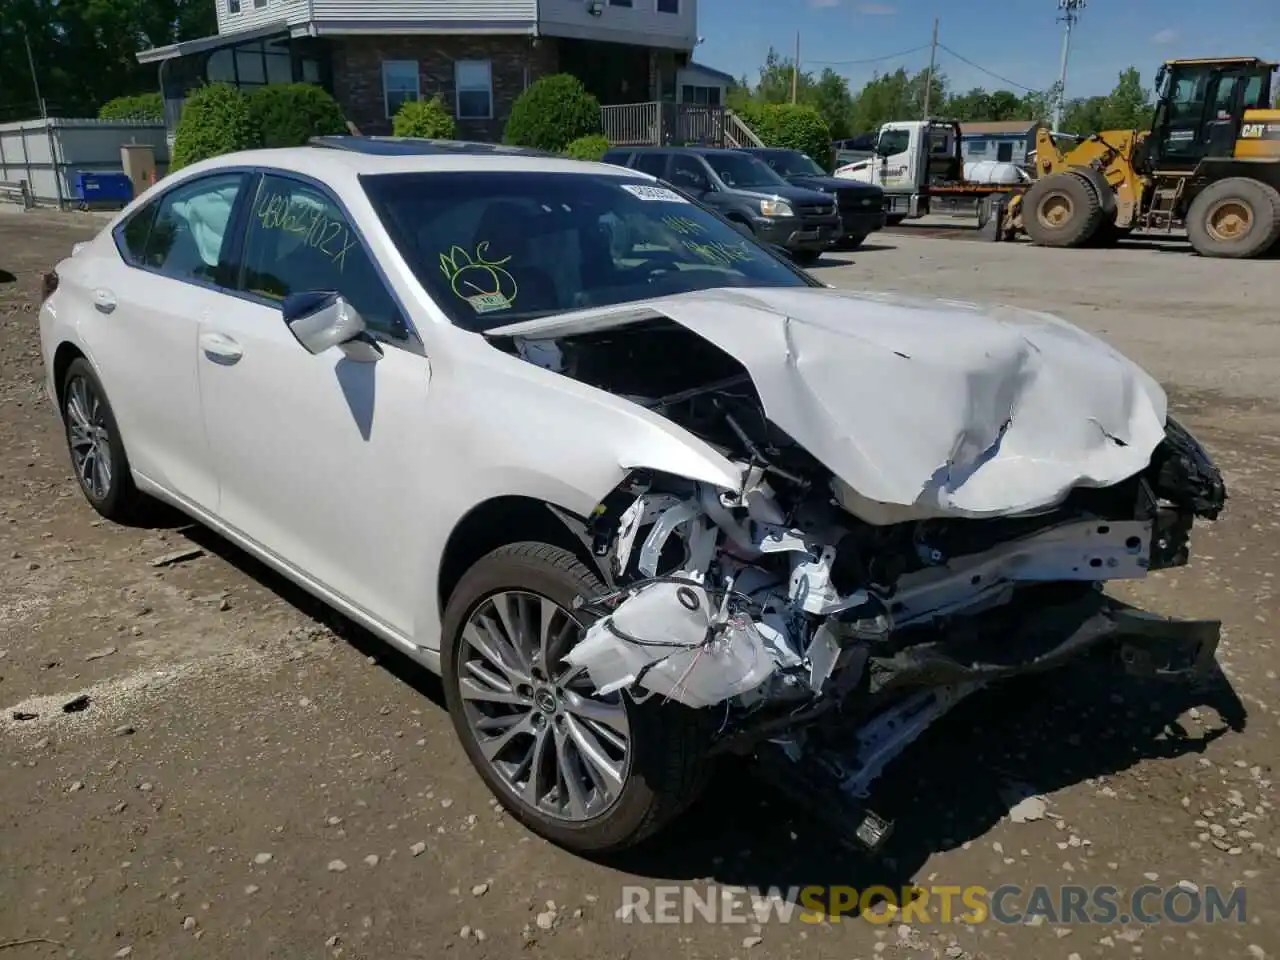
(93, 440)
(1062, 210)
(1236, 217)
(590, 772)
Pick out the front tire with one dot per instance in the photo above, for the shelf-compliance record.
(95, 446)
(592, 774)
(1237, 218)
(1062, 210)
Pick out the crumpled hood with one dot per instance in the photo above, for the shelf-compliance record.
(924, 408)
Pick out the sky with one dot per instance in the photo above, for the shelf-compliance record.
(1018, 40)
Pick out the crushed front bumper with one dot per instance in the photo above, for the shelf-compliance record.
(830, 770)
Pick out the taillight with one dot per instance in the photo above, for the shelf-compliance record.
(48, 284)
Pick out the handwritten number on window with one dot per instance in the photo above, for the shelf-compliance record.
(301, 218)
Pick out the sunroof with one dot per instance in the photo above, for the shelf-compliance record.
(417, 146)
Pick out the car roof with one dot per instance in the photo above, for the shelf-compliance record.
(672, 149)
(344, 159)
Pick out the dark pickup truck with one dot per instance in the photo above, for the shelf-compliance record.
(862, 205)
(742, 189)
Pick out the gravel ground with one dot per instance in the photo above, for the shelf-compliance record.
(253, 777)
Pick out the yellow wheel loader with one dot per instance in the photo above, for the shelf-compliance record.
(1209, 164)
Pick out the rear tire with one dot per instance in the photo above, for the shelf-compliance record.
(1237, 218)
(853, 242)
(1062, 210)
(96, 448)
(663, 766)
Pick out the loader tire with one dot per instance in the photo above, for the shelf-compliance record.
(1237, 218)
(1062, 210)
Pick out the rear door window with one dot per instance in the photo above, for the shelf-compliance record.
(188, 238)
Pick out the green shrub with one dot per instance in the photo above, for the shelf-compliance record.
(794, 126)
(424, 118)
(142, 106)
(552, 113)
(290, 114)
(216, 119)
(591, 147)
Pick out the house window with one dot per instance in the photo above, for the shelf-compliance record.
(400, 84)
(977, 146)
(619, 3)
(668, 6)
(259, 4)
(702, 96)
(233, 6)
(474, 82)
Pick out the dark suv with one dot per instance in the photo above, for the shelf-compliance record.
(861, 204)
(742, 189)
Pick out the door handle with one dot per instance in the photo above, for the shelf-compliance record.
(220, 348)
(104, 299)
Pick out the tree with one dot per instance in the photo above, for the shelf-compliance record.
(1128, 107)
(84, 50)
(830, 96)
(591, 147)
(144, 106)
(429, 119)
(553, 112)
(290, 114)
(216, 119)
(793, 126)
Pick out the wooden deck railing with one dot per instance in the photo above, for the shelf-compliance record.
(677, 124)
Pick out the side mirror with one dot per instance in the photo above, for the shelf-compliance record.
(322, 319)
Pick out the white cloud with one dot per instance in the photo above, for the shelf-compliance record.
(877, 9)
(1167, 35)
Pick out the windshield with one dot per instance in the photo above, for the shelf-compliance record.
(742, 171)
(793, 163)
(501, 247)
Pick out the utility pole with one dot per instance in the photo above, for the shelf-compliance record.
(1070, 16)
(35, 81)
(933, 60)
(795, 70)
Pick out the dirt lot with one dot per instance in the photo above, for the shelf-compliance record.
(255, 778)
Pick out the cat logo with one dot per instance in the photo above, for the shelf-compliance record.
(1252, 130)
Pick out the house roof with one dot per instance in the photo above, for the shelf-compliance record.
(728, 78)
(997, 127)
(214, 42)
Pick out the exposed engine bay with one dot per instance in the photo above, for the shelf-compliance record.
(800, 622)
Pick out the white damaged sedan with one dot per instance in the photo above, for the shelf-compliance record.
(641, 491)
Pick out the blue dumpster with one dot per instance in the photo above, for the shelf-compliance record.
(92, 187)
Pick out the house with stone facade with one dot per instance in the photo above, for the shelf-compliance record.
(479, 55)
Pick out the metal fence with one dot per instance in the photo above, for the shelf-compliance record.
(47, 154)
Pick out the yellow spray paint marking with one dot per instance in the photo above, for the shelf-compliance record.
(306, 218)
(684, 226)
(483, 283)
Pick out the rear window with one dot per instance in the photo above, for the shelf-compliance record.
(498, 247)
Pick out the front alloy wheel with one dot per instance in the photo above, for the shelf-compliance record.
(593, 773)
(556, 745)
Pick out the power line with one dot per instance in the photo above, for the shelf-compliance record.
(1012, 83)
(854, 63)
